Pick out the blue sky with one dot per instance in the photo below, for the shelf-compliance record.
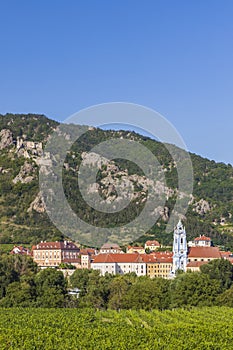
(174, 56)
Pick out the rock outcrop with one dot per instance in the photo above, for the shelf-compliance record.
(26, 174)
(201, 207)
(37, 205)
(6, 138)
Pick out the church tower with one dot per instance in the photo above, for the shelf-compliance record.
(179, 248)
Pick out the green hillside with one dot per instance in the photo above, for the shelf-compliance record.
(24, 220)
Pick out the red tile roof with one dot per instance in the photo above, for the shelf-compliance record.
(225, 254)
(196, 263)
(87, 251)
(204, 252)
(160, 254)
(158, 257)
(202, 238)
(153, 243)
(162, 257)
(20, 250)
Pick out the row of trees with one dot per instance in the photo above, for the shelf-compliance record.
(212, 286)
(22, 284)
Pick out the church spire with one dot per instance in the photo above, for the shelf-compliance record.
(179, 248)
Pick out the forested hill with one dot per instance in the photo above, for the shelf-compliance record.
(23, 218)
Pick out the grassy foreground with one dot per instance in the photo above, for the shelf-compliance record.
(73, 329)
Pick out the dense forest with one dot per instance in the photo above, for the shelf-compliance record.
(22, 220)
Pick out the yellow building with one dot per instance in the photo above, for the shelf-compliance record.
(159, 264)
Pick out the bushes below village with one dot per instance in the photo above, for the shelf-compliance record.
(22, 284)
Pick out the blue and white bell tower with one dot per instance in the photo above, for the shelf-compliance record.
(179, 249)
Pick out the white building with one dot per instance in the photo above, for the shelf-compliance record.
(201, 241)
(119, 263)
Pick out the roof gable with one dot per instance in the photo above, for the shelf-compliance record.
(152, 243)
(202, 238)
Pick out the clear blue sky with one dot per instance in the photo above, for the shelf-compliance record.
(175, 56)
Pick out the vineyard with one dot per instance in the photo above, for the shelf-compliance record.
(74, 329)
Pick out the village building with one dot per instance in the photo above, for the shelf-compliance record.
(159, 264)
(201, 241)
(135, 249)
(52, 254)
(152, 245)
(194, 266)
(205, 254)
(110, 248)
(111, 259)
(87, 256)
(226, 255)
(119, 263)
(20, 250)
(198, 256)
